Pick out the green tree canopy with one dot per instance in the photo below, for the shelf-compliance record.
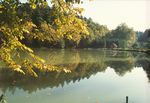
(124, 36)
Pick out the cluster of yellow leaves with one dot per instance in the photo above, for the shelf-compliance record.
(1, 7)
(65, 25)
(12, 44)
(66, 21)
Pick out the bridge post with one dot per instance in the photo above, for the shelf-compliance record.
(126, 99)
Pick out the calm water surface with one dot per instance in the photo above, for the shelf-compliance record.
(97, 77)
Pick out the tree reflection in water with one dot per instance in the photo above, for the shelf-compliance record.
(82, 63)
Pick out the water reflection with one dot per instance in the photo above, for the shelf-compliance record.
(82, 63)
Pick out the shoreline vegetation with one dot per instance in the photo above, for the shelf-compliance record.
(61, 25)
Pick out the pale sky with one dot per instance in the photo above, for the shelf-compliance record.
(136, 13)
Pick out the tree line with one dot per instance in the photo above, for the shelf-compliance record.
(99, 36)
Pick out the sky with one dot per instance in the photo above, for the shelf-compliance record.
(135, 13)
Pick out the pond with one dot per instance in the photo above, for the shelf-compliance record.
(98, 76)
